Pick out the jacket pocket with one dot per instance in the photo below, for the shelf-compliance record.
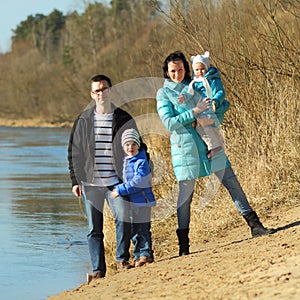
(175, 140)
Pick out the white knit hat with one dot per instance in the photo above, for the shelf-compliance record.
(130, 135)
(204, 59)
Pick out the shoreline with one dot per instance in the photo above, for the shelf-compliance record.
(34, 122)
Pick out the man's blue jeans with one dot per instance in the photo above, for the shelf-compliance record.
(230, 182)
(94, 198)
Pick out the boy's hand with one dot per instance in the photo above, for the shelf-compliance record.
(114, 194)
(181, 99)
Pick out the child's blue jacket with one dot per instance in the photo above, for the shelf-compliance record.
(137, 181)
(218, 92)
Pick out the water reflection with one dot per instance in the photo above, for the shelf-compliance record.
(43, 246)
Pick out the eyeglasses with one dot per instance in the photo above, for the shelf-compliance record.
(97, 92)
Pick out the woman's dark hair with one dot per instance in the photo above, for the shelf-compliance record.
(176, 56)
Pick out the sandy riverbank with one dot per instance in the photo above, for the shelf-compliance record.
(231, 267)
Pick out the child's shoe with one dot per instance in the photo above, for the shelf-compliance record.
(144, 260)
(133, 263)
(123, 265)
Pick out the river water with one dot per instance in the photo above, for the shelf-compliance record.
(42, 228)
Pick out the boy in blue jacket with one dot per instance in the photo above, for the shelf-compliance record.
(207, 82)
(137, 186)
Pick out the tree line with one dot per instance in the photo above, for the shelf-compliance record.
(53, 56)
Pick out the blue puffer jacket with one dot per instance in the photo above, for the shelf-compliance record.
(187, 148)
(214, 79)
(137, 181)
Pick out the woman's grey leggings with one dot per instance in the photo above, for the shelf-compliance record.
(230, 182)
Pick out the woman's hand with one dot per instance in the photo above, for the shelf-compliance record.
(213, 104)
(201, 106)
(114, 194)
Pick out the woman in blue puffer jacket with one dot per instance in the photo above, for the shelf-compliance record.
(137, 186)
(189, 151)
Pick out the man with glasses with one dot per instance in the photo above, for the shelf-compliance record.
(95, 163)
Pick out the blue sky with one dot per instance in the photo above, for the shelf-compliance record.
(12, 12)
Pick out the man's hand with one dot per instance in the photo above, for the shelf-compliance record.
(77, 190)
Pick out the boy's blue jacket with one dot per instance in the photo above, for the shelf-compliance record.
(137, 180)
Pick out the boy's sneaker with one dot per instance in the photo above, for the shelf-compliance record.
(90, 277)
(213, 152)
(144, 260)
(123, 265)
(133, 263)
